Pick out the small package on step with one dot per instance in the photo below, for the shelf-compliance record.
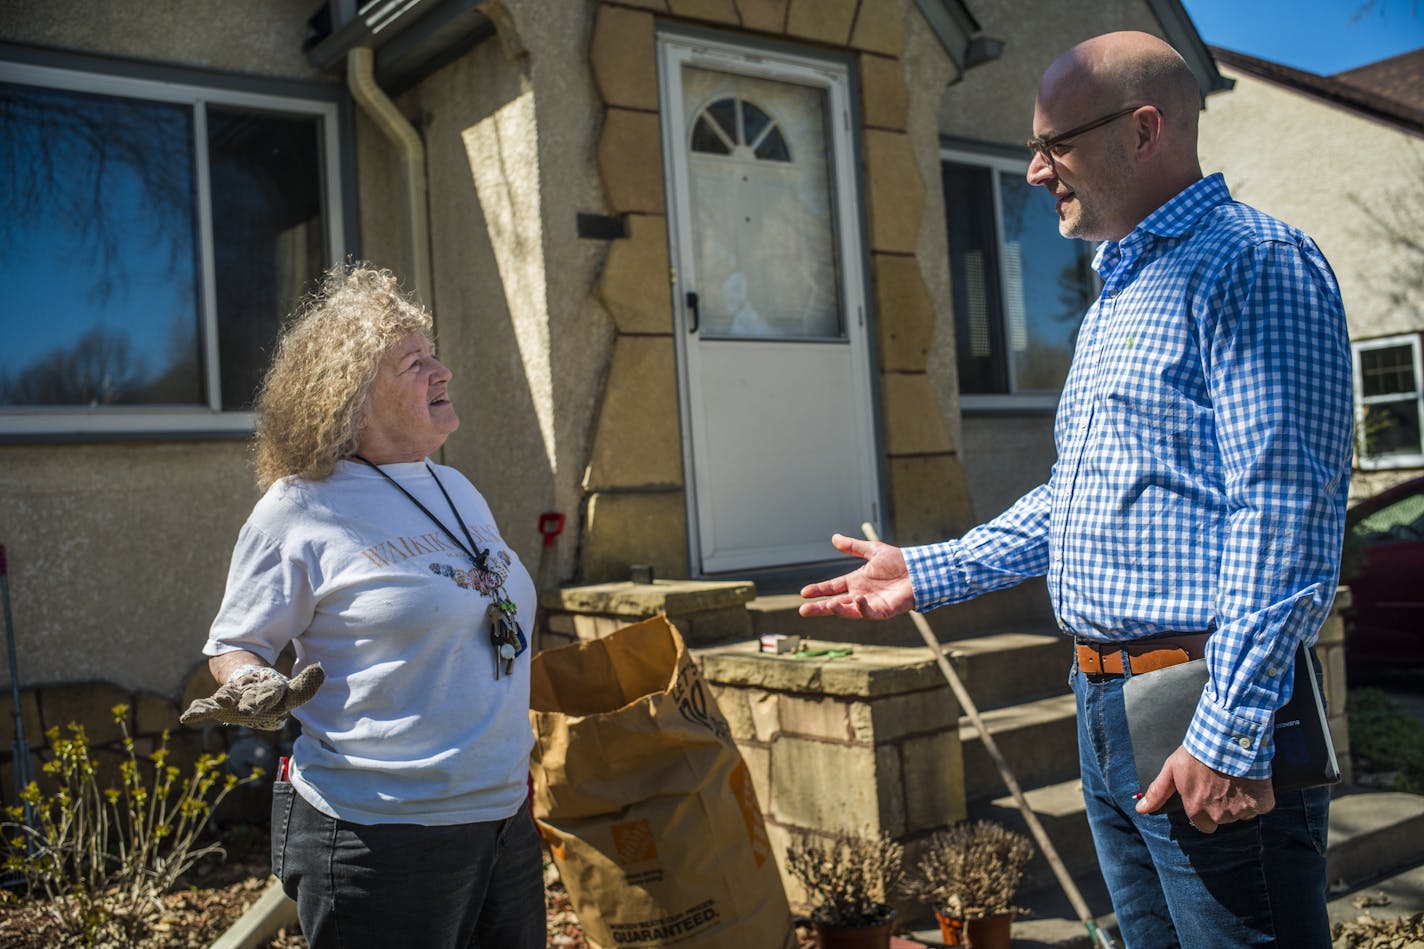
(645, 801)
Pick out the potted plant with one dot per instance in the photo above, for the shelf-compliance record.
(968, 875)
(849, 879)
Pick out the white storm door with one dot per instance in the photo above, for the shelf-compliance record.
(774, 370)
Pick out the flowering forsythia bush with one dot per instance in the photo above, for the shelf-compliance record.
(99, 858)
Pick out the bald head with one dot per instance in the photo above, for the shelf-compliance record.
(1117, 70)
(1121, 112)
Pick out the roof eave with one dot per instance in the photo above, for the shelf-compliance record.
(959, 33)
(411, 38)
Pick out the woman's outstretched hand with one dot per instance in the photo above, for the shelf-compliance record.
(879, 589)
(257, 698)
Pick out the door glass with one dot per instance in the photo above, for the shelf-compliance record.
(763, 218)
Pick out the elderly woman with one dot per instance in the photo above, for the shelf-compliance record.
(401, 819)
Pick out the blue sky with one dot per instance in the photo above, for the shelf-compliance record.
(1319, 36)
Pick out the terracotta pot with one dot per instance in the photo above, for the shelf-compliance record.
(990, 932)
(874, 936)
(951, 929)
(978, 932)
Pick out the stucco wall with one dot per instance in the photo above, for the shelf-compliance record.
(261, 37)
(117, 556)
(1336, 175)
(118, 552)
(994, 101)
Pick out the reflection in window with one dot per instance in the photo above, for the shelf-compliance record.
(1019, 289)
(1390, 403)
(98, 257)
(102, 243)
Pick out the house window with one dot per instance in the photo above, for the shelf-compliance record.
(1019, 288)
(153, 234)
(1389, 402)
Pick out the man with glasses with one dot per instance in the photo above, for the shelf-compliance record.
(1196, 507)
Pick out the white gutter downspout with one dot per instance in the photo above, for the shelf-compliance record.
(361, 80)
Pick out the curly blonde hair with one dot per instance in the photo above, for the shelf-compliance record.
(311, 400)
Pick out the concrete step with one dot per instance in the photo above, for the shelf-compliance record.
(1006, 668)
(1038, 739)
(1059, 809)
(1371, 832)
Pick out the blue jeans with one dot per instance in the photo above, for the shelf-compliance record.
(1259, 882)
(370, 886)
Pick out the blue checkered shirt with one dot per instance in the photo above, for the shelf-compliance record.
(1204, 438)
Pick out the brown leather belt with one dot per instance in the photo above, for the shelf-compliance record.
(1144, 655)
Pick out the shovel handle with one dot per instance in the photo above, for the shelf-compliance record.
(551, 525)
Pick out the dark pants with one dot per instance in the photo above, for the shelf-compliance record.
(1259, 882)
(367, 886)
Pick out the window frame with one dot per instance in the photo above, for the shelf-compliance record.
(196, 89)
(999, 160)
(1357, 346)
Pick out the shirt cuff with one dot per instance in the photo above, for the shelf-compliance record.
(1231, 744)
(935, 574)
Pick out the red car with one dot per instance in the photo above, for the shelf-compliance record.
(1384, 567)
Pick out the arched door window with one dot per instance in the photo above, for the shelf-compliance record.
(740, 129)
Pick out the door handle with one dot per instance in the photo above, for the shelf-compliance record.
(693, 311)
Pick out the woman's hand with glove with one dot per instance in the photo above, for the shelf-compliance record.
(256, 696)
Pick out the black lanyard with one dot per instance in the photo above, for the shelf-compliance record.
(479, 557)
(505, 633)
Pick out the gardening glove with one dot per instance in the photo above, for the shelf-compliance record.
(256, 696)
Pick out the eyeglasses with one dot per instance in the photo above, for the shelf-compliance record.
(1045, 146)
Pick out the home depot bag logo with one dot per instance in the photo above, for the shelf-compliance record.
(633, 841)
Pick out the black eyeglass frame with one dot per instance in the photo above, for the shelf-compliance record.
(1045, 146)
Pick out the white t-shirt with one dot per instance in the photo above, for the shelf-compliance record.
(411, 725)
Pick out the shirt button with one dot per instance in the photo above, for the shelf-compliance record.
(1244, 742)
(1273, 671)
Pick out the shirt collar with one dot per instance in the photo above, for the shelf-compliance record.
(1173, 219)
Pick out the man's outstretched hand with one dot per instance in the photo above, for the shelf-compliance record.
(879, 589)
(258, 696)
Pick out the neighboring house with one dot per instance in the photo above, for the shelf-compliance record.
(716, 278)
(1342, 158)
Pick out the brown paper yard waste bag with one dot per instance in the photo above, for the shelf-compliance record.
(645, 801)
